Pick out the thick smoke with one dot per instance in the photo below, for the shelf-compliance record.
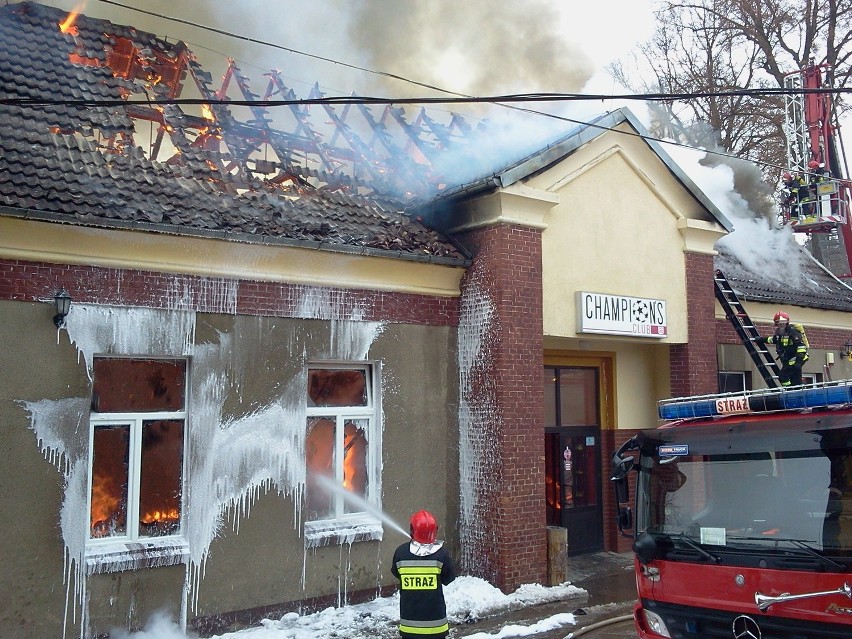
(758, 242)
(475, 47)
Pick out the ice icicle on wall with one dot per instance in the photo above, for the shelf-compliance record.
(232, 460)
(476, 418)
(211, 295)
(235, 460)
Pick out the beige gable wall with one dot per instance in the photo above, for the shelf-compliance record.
(621, 227)
(614, 220)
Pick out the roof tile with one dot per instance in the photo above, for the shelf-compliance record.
(56, 158)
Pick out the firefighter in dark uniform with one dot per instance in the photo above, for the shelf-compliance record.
(423, 567)
(790, 347)
(794, 188)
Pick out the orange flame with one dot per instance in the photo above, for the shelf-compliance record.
(170, 515)
(354, 461)
(207, 112)
(105, 505)
(67, 25)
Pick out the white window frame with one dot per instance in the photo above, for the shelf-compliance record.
(120, 552)
(741, 374)
(355, 526)
(812, 379)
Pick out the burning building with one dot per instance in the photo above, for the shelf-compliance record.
(268, 297)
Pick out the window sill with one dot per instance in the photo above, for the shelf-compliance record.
(118, 556)
(345, 530)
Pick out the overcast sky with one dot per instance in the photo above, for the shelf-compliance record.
(479, 47)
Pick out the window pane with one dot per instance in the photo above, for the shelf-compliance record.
(110, 459)
(731, 382)
(549, 382)
(135, 385)
(355, 461)
(584, 470)
(578, 396)
(328, 387)
(319, 449)
(160, 480)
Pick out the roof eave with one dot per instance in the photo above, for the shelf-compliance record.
(235, 236)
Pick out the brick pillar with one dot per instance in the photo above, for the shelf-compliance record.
(501, 416)
(693, 365)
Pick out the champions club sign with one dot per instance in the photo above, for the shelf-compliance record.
(621, 315)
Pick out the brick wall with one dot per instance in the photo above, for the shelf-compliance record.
(693, 365)
(510, 505)
(31, 281)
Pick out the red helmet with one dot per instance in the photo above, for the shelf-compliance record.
(781, 316)
(424, 528)
(813, 164)
(786, 176)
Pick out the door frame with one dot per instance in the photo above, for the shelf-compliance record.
(604, 363)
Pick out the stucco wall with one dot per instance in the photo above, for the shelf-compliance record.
(619, 228)
(256, 558)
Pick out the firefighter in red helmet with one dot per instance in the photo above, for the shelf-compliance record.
(794, 193)
(423, 567)
(791, 346)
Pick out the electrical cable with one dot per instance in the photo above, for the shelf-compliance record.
(281, 47)
(461, 98)
(506, 101)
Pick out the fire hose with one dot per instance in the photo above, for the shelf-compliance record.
(599, 624)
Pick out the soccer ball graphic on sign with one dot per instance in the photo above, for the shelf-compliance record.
(641, 311)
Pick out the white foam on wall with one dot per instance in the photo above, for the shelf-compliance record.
(477, 415)
(232, 461)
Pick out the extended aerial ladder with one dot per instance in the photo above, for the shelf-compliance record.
(815, 158)
(745, 328)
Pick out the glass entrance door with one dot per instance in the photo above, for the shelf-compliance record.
(572, 456)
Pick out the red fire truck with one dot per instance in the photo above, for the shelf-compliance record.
(743, 515)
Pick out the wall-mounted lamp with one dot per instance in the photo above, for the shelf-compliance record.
(62, 301)
(846, 351)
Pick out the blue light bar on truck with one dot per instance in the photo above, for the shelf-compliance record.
(823, 395)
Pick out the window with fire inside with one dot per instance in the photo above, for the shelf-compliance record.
(138, 435)
(341, 451)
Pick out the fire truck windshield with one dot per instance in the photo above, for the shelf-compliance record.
(749, 483)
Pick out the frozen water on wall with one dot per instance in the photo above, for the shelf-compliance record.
(61, 430)
(211, 295)
(232, 459)
(235, 460)
(477, 405)
(326, 304)
(113, 330)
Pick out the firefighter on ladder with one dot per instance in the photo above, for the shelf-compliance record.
(791, 348)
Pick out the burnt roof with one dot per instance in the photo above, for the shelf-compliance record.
(207, 174)
(792, 278)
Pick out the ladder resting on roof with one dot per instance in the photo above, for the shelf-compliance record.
(745, 328)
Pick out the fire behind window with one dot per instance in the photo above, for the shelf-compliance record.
(137, 457)
(327, 387)
(336, 441)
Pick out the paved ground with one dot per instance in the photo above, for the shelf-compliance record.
(608, 579)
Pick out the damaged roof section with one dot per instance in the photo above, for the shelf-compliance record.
(226, 171)
(794, 279)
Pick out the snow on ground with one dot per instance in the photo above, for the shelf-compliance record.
(469, 599)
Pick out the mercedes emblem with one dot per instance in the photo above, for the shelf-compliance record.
(744, 627)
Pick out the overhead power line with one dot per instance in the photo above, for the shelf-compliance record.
(507, 101)
(264, 43)
(373, 100)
